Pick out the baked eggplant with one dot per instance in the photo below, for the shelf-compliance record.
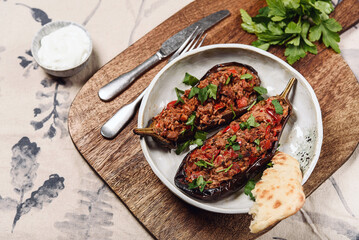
(235, 154)
(224, 92)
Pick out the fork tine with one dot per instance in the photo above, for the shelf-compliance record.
(190, 44)
(195, 43)
(200, 44)
(184, 44)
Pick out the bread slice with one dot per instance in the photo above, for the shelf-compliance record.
(279, 194)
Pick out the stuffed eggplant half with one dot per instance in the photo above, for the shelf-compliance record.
(224, 92)
(236, 153)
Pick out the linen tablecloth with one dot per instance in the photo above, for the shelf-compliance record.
(48, 191)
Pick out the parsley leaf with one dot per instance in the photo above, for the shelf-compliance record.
(232, 143)
(252, 104)
(199, 138)
(260, 90)
(251, 121)
(248, 189)
(193, 92)
(236, 147)
(328, 31)
(179, 94)
(198, 183)
(278, 108)
(234, 113)
(200, 135)
(190, 80)
(257, 142)
(212, 91)
(191, 119)
(183, 147)
(249, 25)
(246, 76)
(204, 93)
(203, 163)
(228, 79)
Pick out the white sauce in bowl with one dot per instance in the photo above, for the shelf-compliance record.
(64, 48)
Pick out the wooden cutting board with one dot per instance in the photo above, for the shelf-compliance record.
(120, 161)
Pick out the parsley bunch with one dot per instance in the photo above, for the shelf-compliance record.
(295, 23)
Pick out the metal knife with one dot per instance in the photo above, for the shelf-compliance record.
(116, 86)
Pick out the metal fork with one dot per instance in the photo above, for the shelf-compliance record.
(118, 121)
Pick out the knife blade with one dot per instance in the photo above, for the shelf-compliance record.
(116, 86)
(174, 42)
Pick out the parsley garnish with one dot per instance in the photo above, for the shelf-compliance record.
(278, 108)
(260, 90)
(250, 106)
(193, 92)
(182, 147)
(260, 98)
(225, 170)
(212, 91)
(252, 121)
(203, 163)
(295, 24)
(232, 143)
(190, 80)
(247, 76)
(204, 93)
(199, 138)
(190, 121)
(234, 114)
(248, 189)
(257, 142)
(198, 183)
(229, 79)
(179, 94)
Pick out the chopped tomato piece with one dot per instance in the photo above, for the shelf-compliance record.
(277, 129)
(232, 70)
(267, 132)
(266, 144)
(218, 161)
(226, 129)
(242, 102)
(273, 115)
(171, 104)
(219, 106)
(205, 147)
(252, 159)
(235, 126)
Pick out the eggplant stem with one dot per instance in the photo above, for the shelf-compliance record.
(144, 131)
(287, 89)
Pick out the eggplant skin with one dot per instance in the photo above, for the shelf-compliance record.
(230, 186)
(227, 115)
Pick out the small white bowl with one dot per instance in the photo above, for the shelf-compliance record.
(46, 30)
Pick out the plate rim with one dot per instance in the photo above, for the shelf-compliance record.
(163, 179)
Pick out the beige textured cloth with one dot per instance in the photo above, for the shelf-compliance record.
(47, 190)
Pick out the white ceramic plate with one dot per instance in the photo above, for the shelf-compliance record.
(302, 136)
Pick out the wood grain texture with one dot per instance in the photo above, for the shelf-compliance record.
(120, 161)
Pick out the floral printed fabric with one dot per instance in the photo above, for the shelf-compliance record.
(47, 190)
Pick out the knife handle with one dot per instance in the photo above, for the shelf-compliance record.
(116, 86)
